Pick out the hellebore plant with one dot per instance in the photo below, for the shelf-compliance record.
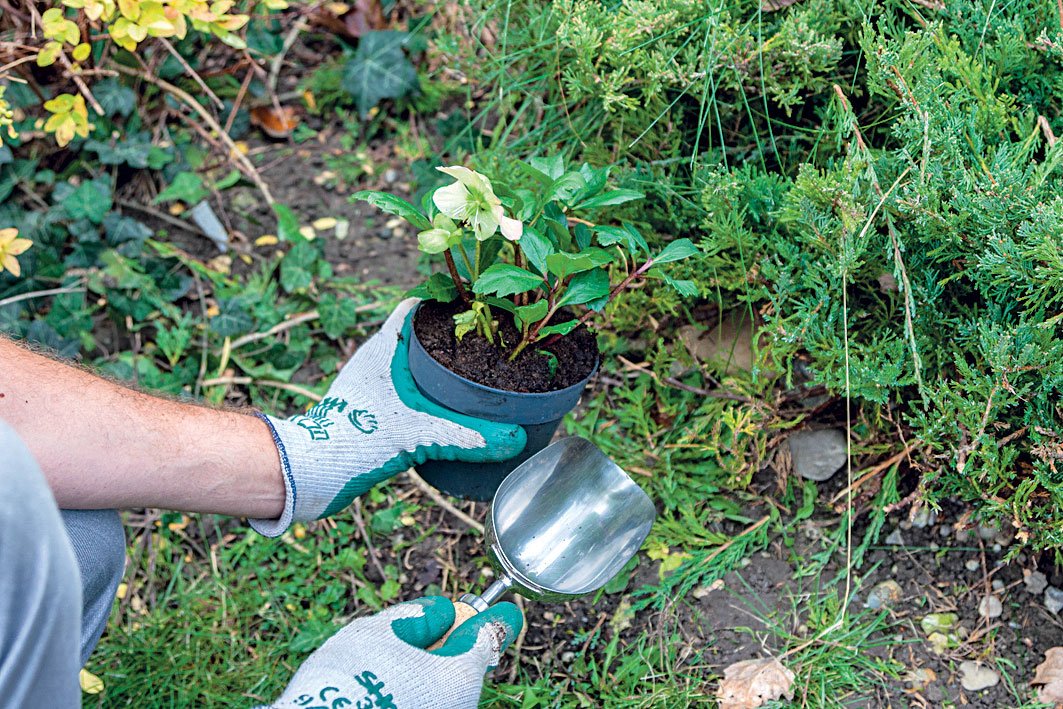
(539, 260)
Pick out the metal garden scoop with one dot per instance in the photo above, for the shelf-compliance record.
(561, 525)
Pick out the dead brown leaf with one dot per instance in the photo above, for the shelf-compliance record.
(350, 20)
(775, 5)
(752, 683)
(1050, 674)
(274, 123)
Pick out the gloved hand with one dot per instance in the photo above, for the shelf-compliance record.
(372, 424)
(379, 662)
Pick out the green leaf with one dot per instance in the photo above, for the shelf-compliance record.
(564, 265)
(684, 287)
(394, 205)
(527, 315)
(287, 223)
(588, 287)
(379, 70)
(439, 286)
(553, 166)
(464, 323)
(296, 267)
(627, 235)
(536, 248)
(677, 251)
(90, 200)
(114, 98)
(338, 314)
(559, 329)
(504, 279)
(186, 187)
(134, 149)
(232, 318)
(611, 199)
(566, 187)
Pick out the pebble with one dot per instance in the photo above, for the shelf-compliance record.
(567, 657)
(1054, 600)
(924, 517)
(895, 538)
(990, 607)
(973, 565)
(936, 622)
(818, 455)
(975, 677)
(998, 585)
(884, 594)
(921, 677)
(391, 175)
(1036, 582)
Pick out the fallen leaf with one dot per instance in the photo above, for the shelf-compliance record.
(774, 5)
(90, 683)
(324, 223)
(350, 20)
(274, 123)
(267, 240)
(752, 683)
(1050, 674)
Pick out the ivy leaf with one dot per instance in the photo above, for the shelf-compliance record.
(134, 150)
(287, 223)
(677, 251)
(610, 199)
(337, 314)
(296, 267)
(379, 70)
(504, 279)
(114, 98)
(125, 233)
(90, 200)
(185, 187)
(394, 205)
(589, 287)
(232, 318)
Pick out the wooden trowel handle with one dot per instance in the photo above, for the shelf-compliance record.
(462, 612)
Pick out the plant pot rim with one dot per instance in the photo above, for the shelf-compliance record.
(533, 395)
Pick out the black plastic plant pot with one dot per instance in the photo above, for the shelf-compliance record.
(539, 414)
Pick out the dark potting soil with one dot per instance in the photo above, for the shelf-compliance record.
(484, 363)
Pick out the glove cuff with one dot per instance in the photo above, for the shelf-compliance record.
(277, 527)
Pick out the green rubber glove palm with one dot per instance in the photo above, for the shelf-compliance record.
(380, 662)
(372, 424)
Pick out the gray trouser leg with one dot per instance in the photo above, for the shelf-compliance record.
(40, 592)
(99, 546)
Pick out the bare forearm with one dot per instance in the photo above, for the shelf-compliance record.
(102, 445)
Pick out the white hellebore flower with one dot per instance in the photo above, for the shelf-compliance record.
(471, 200)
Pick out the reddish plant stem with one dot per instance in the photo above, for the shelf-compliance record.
(518, 261)
(637, 273)
(457, 279)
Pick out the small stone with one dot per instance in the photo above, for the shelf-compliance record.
(924, 517)
(990, 607)
(567, 657)
(884, 595)
(998, 585)
(343, 227)
(818, 455)
(1036, 582)
(975, 677)
(938, 622)
(988, 532)
(1054, 600)
(895, 538)
(391, 175)
(972, 565)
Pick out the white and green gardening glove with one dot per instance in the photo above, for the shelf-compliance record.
(372, 424)
(380, 662)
